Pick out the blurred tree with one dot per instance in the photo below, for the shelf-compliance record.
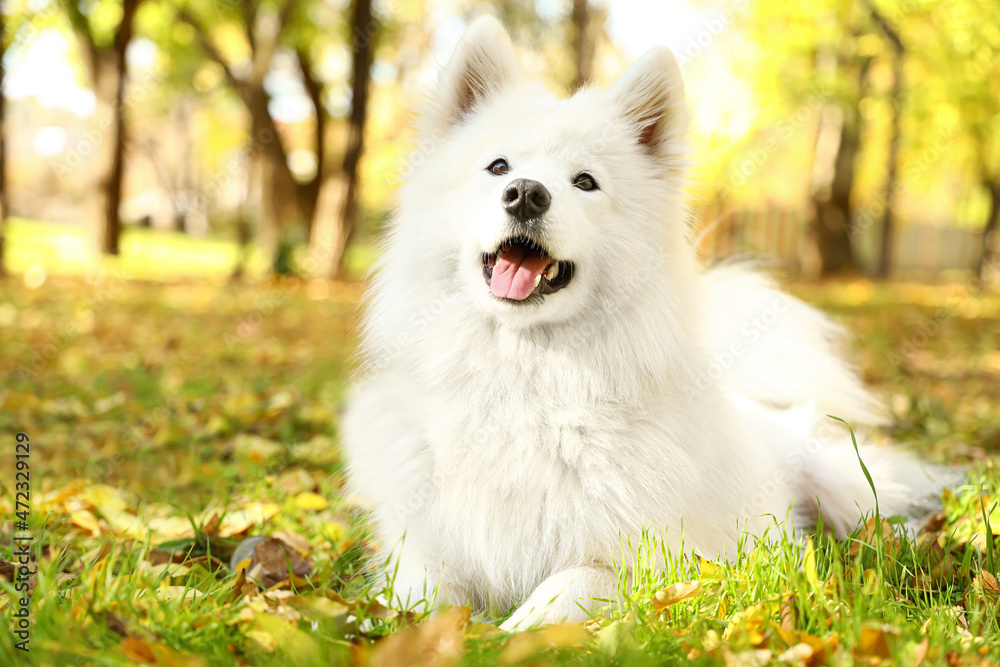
(838, 143)
(364, 31)
(104, 30)
(246, 63)
(956, 108)
(891, 187)
(582, 43)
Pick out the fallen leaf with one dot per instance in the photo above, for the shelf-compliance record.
(438, 642)
(277, 562)
(614, 637)
(754, 658)
(85, 520)
(307, 500)
(875, 641)
(674, 594)
(920, 652)
(523, 645)
(169, 593)
(138, 650)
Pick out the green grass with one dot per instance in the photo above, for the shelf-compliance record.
(170, 421)
(146, 254)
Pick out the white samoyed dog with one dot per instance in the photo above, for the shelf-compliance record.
(549, 371)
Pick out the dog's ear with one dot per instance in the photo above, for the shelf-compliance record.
(650, 95)
(483, 64)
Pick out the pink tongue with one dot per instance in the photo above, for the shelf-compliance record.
(515, 272)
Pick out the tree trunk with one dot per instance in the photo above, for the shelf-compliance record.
(987, 258)
(363, 32)
(892, 178)
(832, 226)
(112, 185)
(582, 44)
(891, 185)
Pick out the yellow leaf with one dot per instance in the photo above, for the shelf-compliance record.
(168, 593)
(483, 630)
(313, 607)
(874, 641)
(754, 658)
(523, 645)
(333, 531)
(166, 570)
(138, 651)
(242, 520)
(564, 635)
(809, 564)
(243, 565)
(86, 520)
(166, 529)
(709, 571)
(296, 644)
(307, 500)
(675, 593)
(266, 641)
(103, 497)
(871, 582)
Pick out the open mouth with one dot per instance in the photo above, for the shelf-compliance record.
(522, 268)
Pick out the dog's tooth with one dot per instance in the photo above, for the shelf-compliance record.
(552, 272)
(538, 279)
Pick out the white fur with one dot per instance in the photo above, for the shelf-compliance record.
(511, 448)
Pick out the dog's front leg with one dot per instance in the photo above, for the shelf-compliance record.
(568, 596)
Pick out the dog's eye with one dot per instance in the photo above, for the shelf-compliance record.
(498, 167)
(585, 182)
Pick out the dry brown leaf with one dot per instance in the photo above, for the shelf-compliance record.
(296, 480)
(275, 561)
(920, 652)
(211, 527)
(801, 653)
(674, 594)
(875, 641)
(935, 523)
(295, 541)
(241, 588)
(138, 650)
(788, 613)
(523, 645)
(437, 643)
(870, 535)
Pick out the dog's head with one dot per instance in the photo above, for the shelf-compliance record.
(546, 205)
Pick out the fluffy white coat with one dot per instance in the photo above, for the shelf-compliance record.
(514, 445)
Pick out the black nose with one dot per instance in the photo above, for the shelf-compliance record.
(525, 199)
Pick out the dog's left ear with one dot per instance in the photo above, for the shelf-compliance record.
(651, 96)
(483, 64)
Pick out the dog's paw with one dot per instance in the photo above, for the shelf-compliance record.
(529, 615)
(569, 596)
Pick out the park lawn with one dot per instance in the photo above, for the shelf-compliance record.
(169, 421)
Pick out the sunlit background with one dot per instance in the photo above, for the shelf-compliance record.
(190, 200)
(829, 137)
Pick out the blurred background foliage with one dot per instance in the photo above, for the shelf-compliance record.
(252, 136)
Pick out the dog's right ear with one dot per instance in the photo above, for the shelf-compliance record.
(650, 95)
(483, 64)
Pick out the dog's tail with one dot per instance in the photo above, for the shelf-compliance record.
(839, 483)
